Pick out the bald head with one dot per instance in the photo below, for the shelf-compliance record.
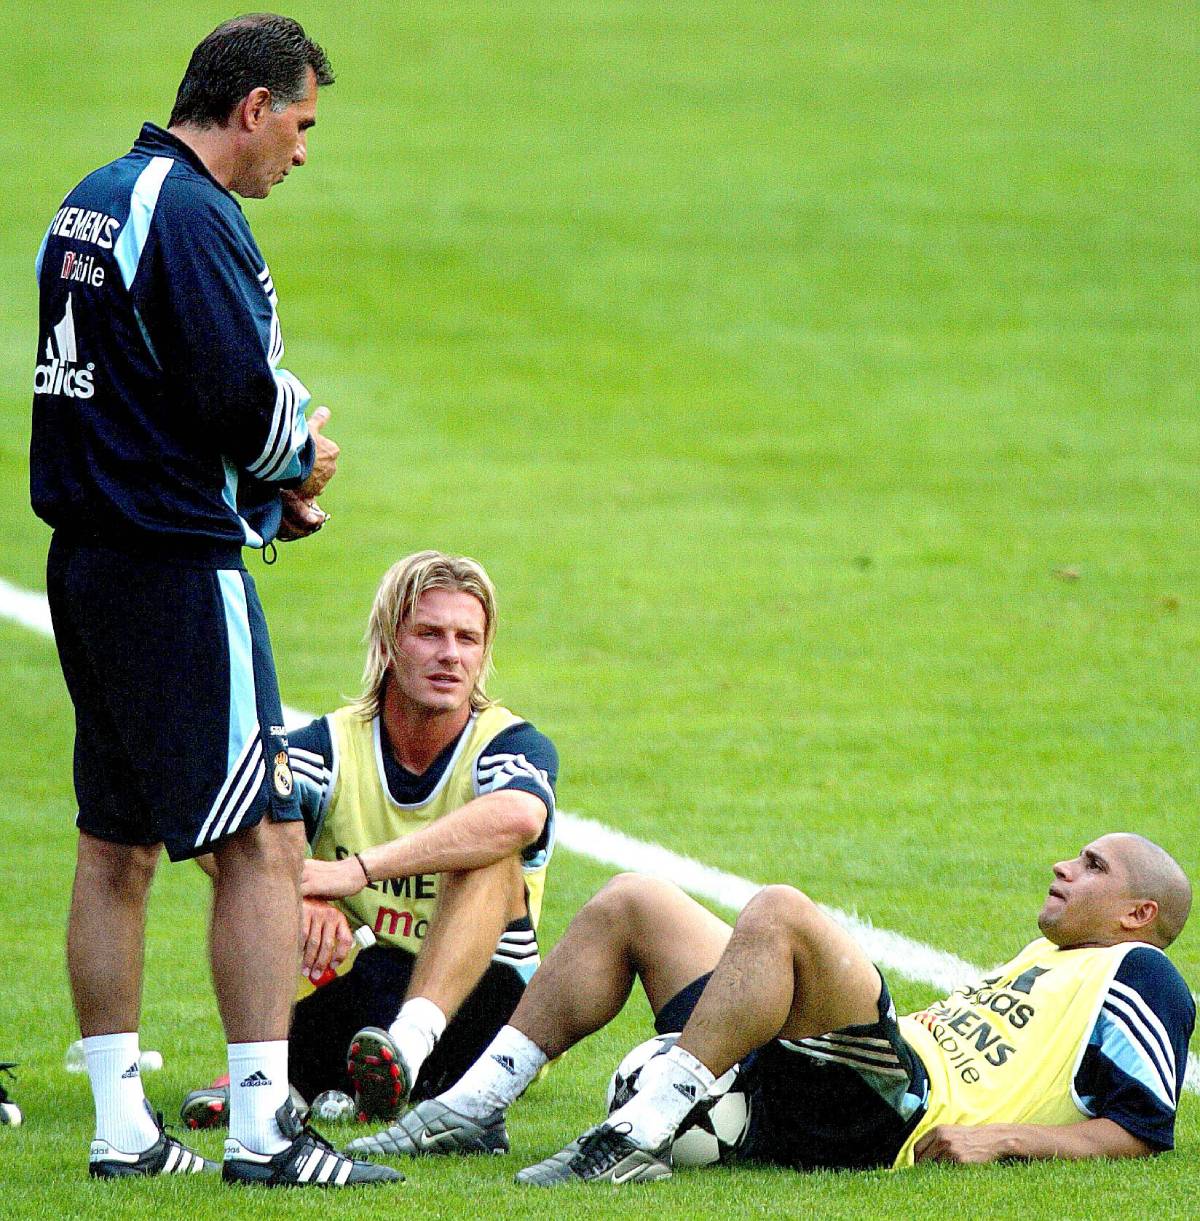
(1154, 874)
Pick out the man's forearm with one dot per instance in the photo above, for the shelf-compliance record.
(1071, 1142)
(1029, 1142)
(478, 834)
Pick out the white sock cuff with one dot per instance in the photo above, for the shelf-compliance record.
(423, 1014)
(511, 1041)
(688, 1062)
(126, 1041)
(247, 1051)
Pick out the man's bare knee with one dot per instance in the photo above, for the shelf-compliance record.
(780, 911)
(128, 868)
(496, 887)
(267, 848)
(629, 897)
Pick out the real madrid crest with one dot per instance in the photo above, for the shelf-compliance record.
(283, 775)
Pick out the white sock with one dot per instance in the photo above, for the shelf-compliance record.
(669, 1086)
(416, 1030)
(498, 1078)
(258, 1087)
(122, 1118)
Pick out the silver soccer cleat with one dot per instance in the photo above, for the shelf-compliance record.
(601, 1155)
(432, 1128)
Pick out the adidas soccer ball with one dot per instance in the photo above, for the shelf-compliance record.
(712, 1130)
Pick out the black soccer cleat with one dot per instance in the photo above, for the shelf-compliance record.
(165, 1156)
(309, 1161)
(604, 1155)
(380, 1076)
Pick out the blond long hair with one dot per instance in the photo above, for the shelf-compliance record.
(396, 604)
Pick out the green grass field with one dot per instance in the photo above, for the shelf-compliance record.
(818, 383)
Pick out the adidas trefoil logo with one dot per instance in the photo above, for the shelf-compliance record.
(507, 1063)
(131, 1071)
(256, 1078)
(688, 1090)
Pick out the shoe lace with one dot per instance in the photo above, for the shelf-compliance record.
(602, 1149)
(317, 1139)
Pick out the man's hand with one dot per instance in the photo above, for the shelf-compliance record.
(301, 516)
(326, 460)
(332, 879)
(326, 937)
(956, 1143)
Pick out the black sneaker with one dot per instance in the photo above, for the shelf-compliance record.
(309, 1161)
(605, 1155)
(381, 1077)
(165, 1156)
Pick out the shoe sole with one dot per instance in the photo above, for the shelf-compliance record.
(379, 1082)
(205, 1113)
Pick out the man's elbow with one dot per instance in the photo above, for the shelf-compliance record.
(525, 823)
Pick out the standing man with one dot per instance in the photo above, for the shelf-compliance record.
(166, 437)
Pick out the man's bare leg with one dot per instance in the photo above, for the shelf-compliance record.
(473, 908)
(105, 952)
(106, 933)
(635, 927)
(255, 951)
(789, 971)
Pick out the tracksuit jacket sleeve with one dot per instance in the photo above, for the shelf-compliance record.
(223, 341)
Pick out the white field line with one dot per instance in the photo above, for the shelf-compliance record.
(894, 952)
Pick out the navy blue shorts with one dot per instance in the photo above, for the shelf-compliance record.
(178, 727)
(847, 1100)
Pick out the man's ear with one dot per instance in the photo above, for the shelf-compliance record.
(1141, 915)
(253, 108)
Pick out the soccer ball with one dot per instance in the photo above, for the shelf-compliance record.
(712, 1130)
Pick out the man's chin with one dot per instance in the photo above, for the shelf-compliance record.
(1048, 924)
(445, 702)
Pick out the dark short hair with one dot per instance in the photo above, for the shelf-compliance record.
(259, 49)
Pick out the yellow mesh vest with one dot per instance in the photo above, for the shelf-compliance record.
(361, 814)
(1006, 1048)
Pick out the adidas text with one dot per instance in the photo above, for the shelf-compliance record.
(61, 377)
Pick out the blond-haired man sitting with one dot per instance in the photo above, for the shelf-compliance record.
(430, 815)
